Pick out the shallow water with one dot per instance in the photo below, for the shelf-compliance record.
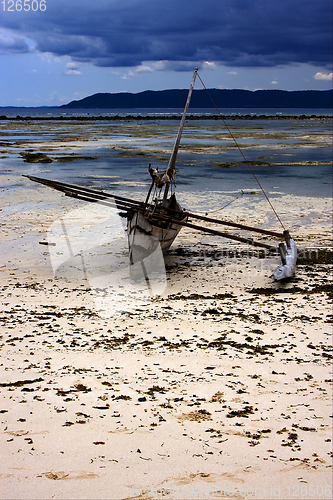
(47, 112)
(289, 156)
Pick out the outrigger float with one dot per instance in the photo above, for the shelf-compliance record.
(158, 220)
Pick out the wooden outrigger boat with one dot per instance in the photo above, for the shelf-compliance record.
(157, 221)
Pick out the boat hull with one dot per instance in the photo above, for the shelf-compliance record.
(144, 236)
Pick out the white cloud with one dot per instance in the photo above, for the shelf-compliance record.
(208, 65)
(48, 57)
(143, 69)
(167, 65)
(128, 75)
(323, 76)
(137, 71)
(274, 82)
(72, 69)
(232, 72)
(73, 72)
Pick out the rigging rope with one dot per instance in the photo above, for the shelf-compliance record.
(241, 152)
(221, 208)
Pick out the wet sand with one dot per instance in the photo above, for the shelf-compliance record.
(218, 388)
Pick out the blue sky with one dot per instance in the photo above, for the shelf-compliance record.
(75, 48)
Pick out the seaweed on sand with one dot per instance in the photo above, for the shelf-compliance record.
(29, 157)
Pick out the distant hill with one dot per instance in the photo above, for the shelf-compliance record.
(200, 99)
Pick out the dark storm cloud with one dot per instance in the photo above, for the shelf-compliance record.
(114, 33)
(13, 44)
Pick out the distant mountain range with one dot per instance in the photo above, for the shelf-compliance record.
(200, 99)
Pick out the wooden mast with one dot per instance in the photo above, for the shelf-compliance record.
(172, 161)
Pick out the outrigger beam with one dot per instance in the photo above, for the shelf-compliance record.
(87, 194)
(217, 233)
(234, 224)
(119, 202)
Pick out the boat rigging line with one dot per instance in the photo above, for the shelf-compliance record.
(221, 208)
(240, 150)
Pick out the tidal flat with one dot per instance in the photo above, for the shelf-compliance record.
(156, 136)
(221, 385)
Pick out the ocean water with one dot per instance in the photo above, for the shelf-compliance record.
(60, 112)
(288, 156)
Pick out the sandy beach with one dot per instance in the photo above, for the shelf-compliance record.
(218, 387)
